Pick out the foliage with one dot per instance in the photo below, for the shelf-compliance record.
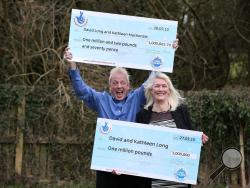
(220, 114)
(35, 33)
(213, 52)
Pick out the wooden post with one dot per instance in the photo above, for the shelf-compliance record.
(242, 165)
(19, 137)
(234, 176)
(43, 161)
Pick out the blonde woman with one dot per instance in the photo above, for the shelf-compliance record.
(164, 108)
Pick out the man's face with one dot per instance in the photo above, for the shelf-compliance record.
(119, 86)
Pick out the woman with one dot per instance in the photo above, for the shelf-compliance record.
(164, 108)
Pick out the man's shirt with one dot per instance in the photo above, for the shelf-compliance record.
(104, 104)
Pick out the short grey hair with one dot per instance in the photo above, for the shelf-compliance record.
(174, 98)
(118, 70)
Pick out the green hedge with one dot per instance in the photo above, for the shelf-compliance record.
(221, 115)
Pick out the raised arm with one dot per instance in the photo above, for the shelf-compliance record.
(68, 58)
(81, 89)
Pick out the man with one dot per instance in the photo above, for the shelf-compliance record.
(120, 104)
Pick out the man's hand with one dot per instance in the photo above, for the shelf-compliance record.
(115, 172)
(175, 44)
(67, 56)
(204, 138)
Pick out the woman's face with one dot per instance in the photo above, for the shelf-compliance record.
(160, 90)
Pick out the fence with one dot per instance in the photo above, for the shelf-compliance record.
(43, 137)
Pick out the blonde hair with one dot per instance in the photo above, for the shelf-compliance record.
(174, 98)
(118, 70)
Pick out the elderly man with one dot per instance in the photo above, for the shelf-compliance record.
(119, 104)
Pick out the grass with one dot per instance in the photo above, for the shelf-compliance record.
(88, 185)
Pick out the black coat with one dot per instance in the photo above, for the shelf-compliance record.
(180, 116)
